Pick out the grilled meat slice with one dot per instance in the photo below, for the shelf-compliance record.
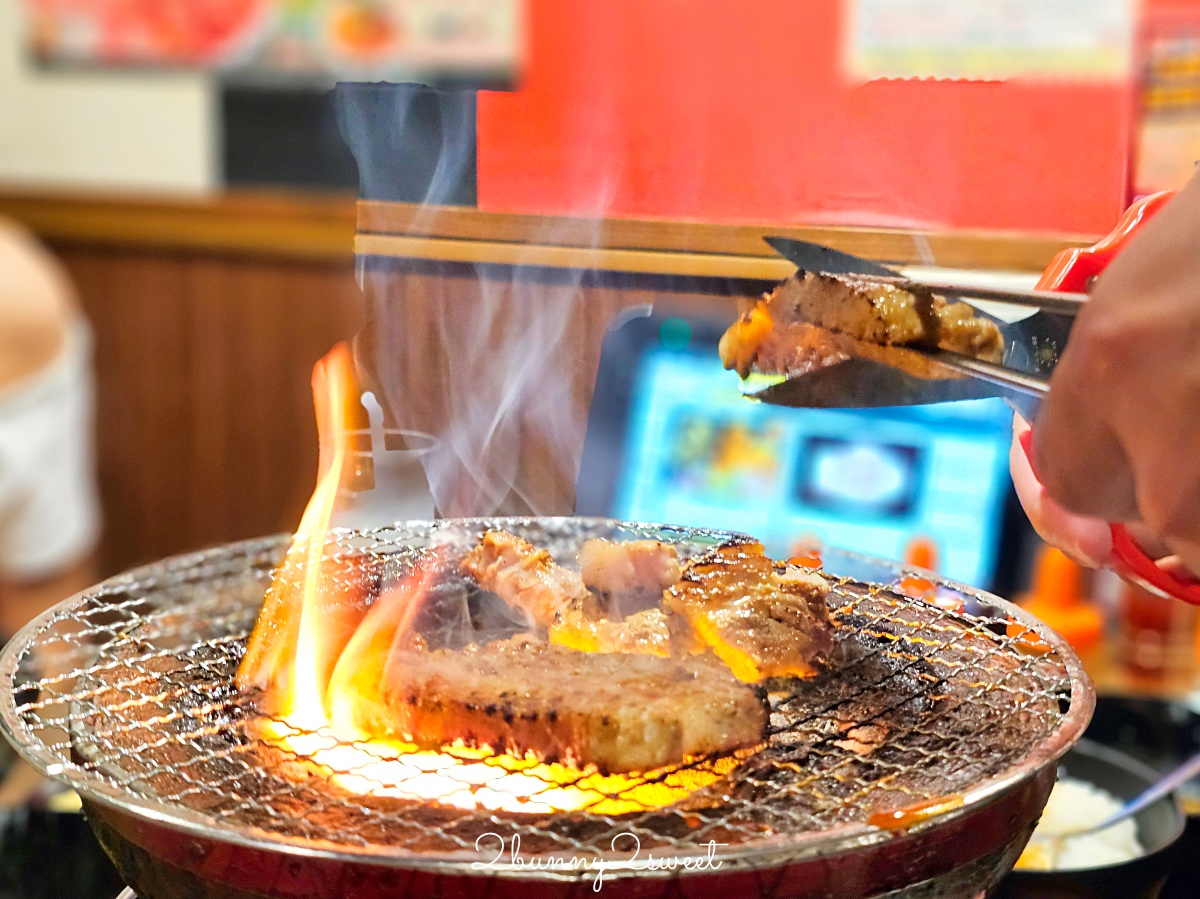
(525, 577)
(884, 314)
(620, 713)
(630, 577)
(797, 348)
(811, 321)
(656, 632)
(763, 619)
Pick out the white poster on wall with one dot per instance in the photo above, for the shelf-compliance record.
(989, 39)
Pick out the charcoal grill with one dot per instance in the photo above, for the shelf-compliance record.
(917, 765)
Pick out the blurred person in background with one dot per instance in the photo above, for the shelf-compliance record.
(49, 511)
(1118, 438)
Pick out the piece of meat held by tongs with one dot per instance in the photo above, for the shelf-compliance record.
(813, 320)
(842, 334)
(845, 332)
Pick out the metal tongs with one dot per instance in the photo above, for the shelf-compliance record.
(1033, 345)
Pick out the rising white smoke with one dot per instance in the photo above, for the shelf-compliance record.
(485, 360)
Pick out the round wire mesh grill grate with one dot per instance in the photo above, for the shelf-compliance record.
(126, 693)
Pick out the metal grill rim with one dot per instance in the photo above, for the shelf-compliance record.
(199, 572)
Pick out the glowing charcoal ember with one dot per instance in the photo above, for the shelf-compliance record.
(461, 777)
(316, 601)
(762, 619)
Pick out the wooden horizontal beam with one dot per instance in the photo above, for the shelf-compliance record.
(1011, 251)
(644, 262)
(313, 227)
(321, 227)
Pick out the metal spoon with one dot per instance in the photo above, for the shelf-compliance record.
(1164, 786)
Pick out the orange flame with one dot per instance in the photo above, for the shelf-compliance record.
(315, 603)
(354, 695)
(320, 650)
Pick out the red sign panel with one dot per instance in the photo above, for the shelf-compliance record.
(741, 112)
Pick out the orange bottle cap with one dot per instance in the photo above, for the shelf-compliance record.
(922, 553)
(1057, 598)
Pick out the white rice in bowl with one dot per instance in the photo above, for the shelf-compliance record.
(1076, 805)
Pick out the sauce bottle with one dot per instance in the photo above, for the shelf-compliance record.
(1057, 597)
(921, 553)
(1156, 640)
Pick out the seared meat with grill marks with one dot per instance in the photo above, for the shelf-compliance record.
(811, 321)
(883, 313)
(618, 712)
(525, 577)
(763, 619)
(630, 577)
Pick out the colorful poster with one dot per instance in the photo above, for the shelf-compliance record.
(353, 39)
(1168, 150)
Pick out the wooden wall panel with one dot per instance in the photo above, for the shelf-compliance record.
(205, 428)
(204, 425)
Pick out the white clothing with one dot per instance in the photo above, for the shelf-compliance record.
(49, 507)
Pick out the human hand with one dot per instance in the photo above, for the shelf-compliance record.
(1118, 438)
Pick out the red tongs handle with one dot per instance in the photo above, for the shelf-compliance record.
(1134, 565)
(1130, 562)
(1074, 271)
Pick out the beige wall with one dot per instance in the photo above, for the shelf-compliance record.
(102, 130)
